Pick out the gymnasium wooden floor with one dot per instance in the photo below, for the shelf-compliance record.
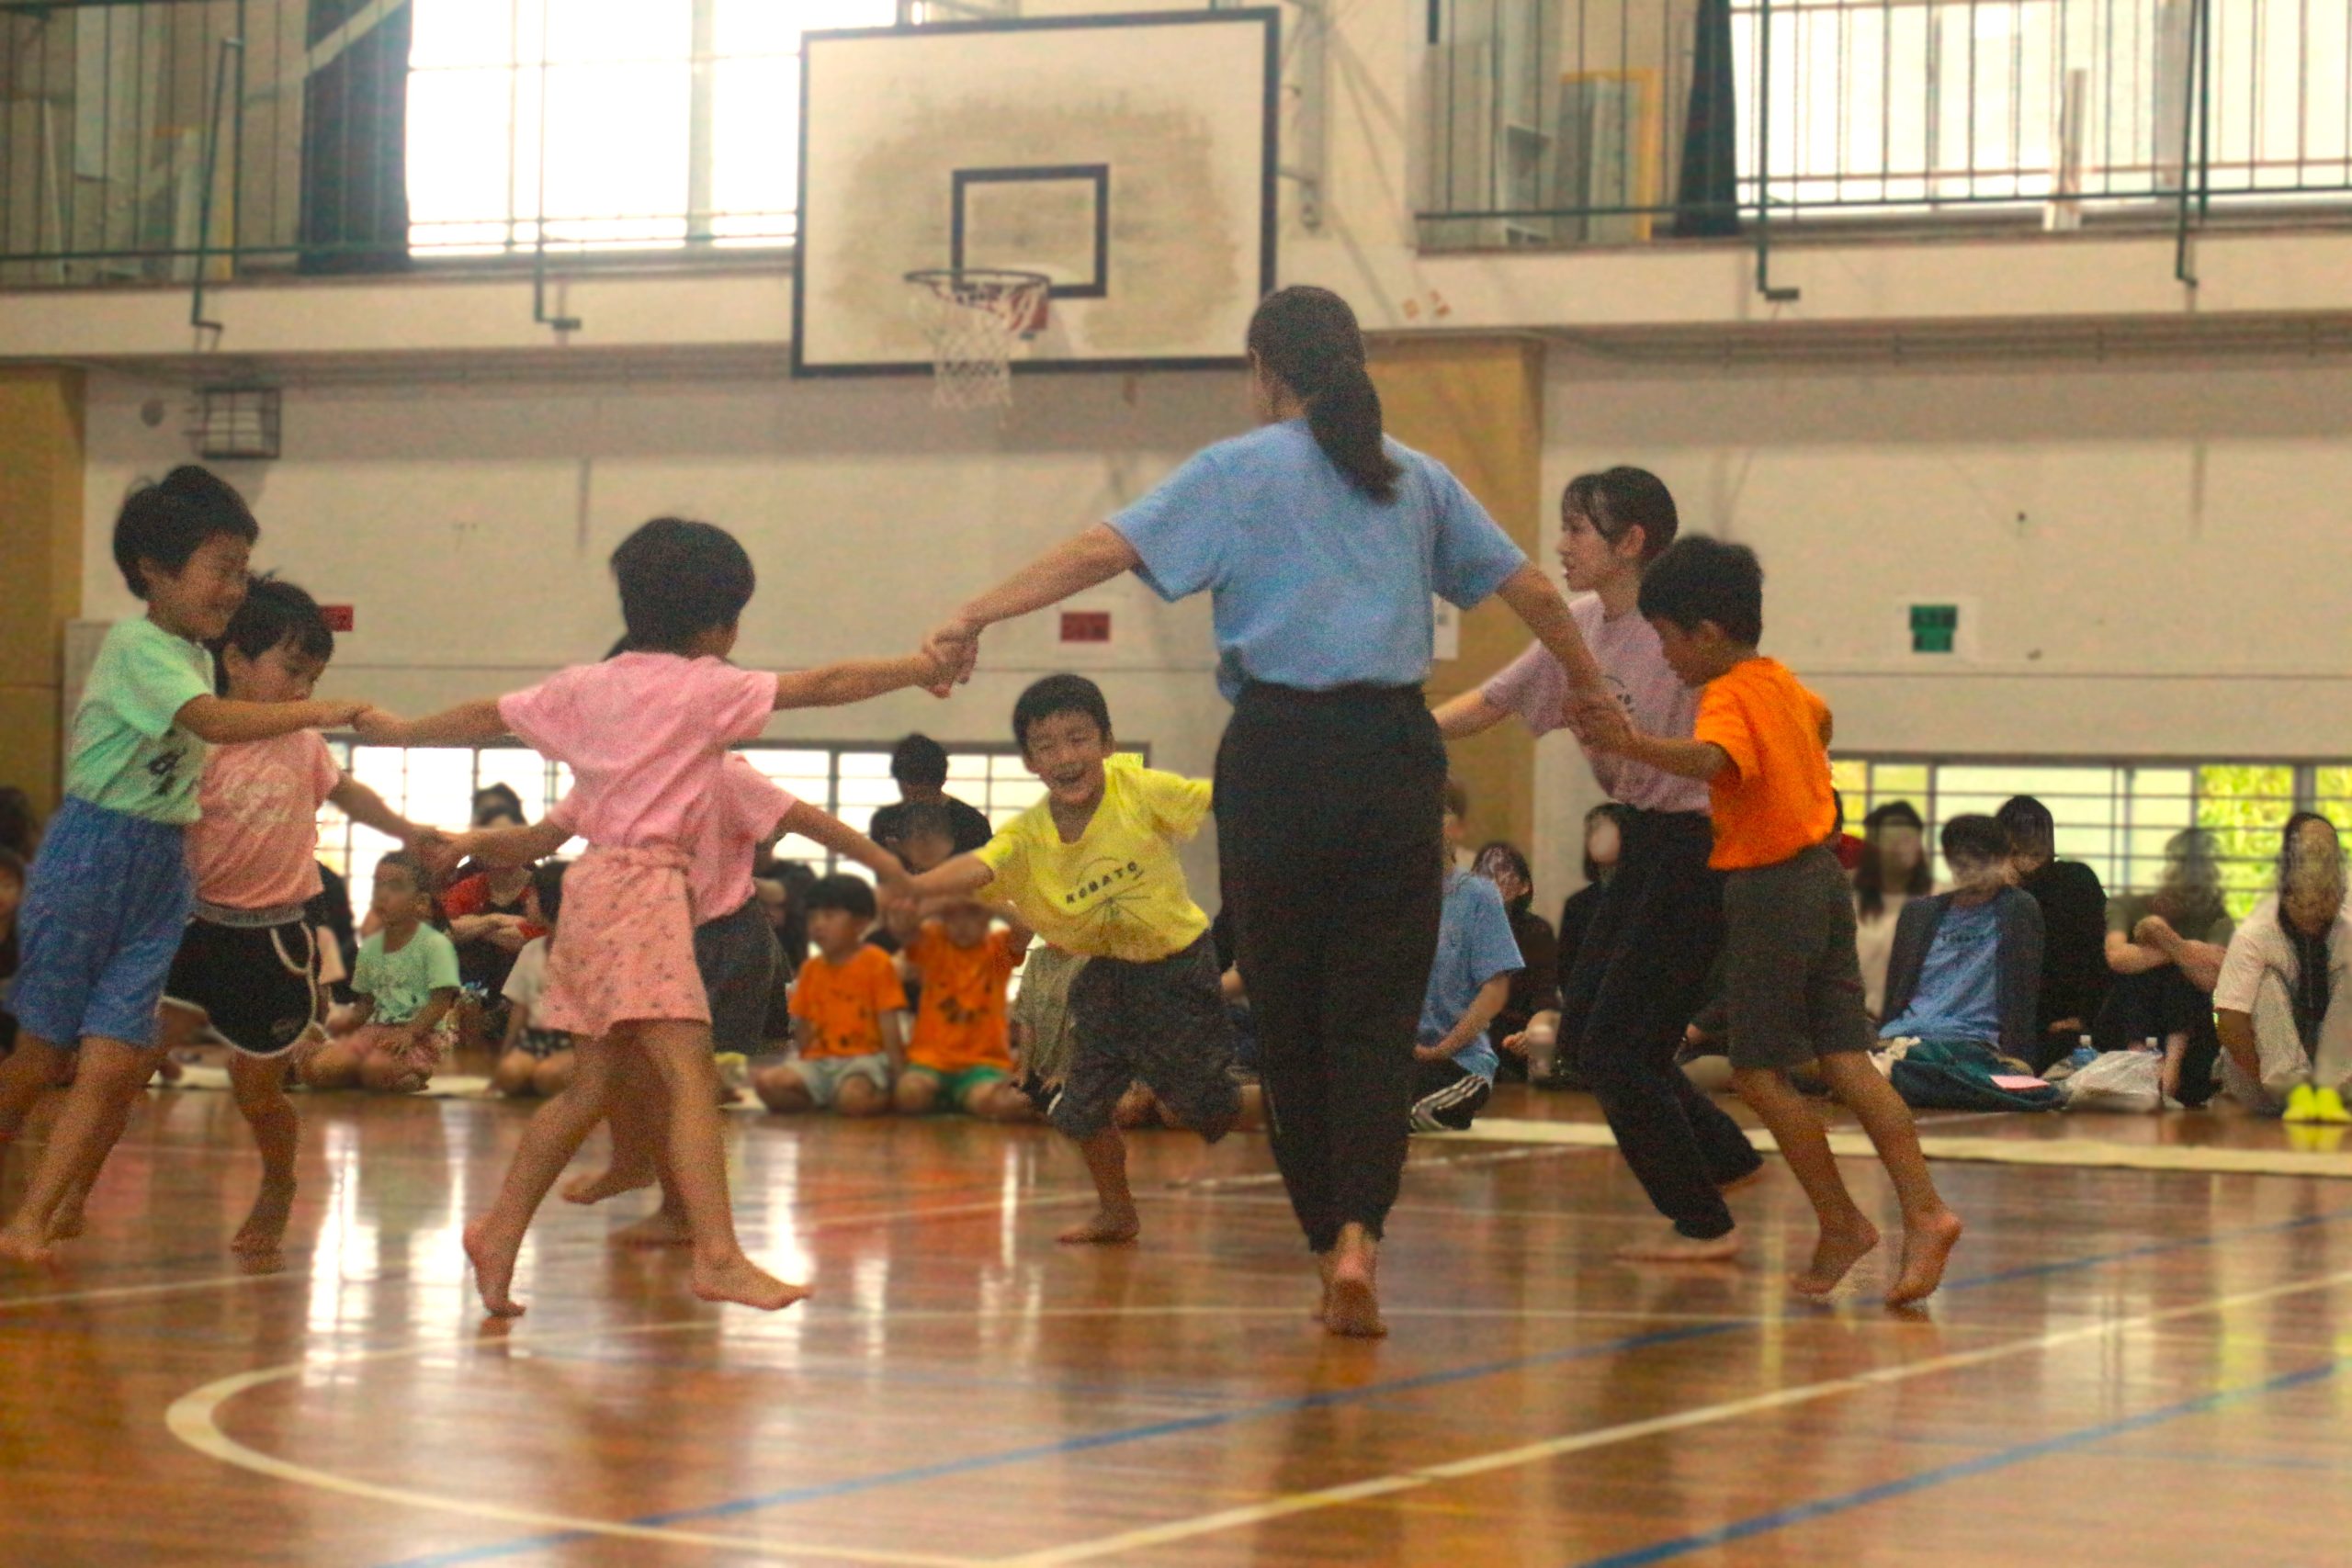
(2132, 1366)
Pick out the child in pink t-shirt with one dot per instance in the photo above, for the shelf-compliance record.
(646, 735)
(735, 950)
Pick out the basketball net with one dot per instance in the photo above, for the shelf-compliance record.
(972, 317)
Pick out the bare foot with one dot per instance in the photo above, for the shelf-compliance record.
(17, 1247)
(493, 1261)
(608, 1183)
(1833, 1255)
(1675, 1247)
(265, 1228)
(660, 1228)
(1352, 1305)
(1108, 1227)
(743, 1282)
(1323, 1262)
(1926, 1248)
(69, 1221)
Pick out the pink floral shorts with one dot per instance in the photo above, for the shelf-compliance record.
(623, 950)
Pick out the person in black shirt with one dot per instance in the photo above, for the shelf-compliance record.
(1533, 988)
(2074, 974)
(920, 767)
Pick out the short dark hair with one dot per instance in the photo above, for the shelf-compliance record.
(2031, 829)
(12, 864)
(168, 522)
(275, 614)
(843, 892)
(1976, 838)
(1457, 799)
(679, 579)
(1057, 694)
(1701, 578)
(404, 860)
(547, 883)
(1621, 498)
(926, 819)
(918, 760)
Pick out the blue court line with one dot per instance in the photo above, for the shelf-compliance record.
(1802, 1513)
(822, 1491)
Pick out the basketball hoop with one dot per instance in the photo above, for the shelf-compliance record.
(971, 316)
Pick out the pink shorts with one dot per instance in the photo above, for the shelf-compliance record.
(623, 950)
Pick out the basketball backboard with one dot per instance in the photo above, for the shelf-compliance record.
(1129, 158)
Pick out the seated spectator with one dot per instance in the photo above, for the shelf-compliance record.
(407, 982)
(849, 1037)
(488, 918)
(531, 1060)
(329, 913)
(918, 766)
(1535, 987)
(2164, 949)
(1893, 872)
(493, 802)
(12, 894)
(1967, 963)
(1603, 842)
(2283, 1004)
(1454, 1063)
(19, 824)
(2074, 927)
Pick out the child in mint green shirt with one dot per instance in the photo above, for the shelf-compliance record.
(110, 892)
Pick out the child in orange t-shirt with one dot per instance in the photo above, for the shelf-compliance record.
(959, 1058)
(1793, 980)
(845, 1009)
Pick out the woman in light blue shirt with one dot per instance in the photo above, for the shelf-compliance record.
(1320, 543)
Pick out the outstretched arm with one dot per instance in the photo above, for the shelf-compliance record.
(467, 723)
(368, 808)
(1469, 713)
(857, 680)
(223, 721)
(1077, 564)
(1534, 601)
(823, 828)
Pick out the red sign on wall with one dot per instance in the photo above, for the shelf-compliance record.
(1086, 625)
(338, 616)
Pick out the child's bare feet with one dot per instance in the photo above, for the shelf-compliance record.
(1837, 1251)
(1926, 1248)
(265, 1228)
(1675, 1247)
(1351, 1304)
(493, 1261)
(660, 1228)
(17, 1247)
(741, 1281)
(610, 1182)
(1108, 1227)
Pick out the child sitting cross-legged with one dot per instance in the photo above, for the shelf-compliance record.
(533, 1059)
(1453, 1062)
(1094, 866)
(407, 982)
(849, 1042)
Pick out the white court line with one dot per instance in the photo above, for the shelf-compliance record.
(127, 1293)
(1707, 1415)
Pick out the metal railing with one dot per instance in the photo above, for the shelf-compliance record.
(187, 141)
(1570, 122)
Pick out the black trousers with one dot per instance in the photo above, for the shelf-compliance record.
(1330, 808)
(1640, 977)
(2156, 1005)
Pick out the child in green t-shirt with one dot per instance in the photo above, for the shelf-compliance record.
(407, 981)
(110, 893)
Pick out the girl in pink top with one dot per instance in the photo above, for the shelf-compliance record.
(646, 735)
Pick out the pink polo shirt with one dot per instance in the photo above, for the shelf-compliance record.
(255, 846)
(744, 816)
(645, 734)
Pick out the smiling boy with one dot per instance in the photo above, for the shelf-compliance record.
(1094, 867)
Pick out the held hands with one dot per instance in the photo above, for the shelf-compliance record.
(954, 646)
(377, 727)
(439, 852)
(1601, 723)
(1437, 1053)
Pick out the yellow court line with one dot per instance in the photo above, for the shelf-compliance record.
(2073, 1152)
(1153, 1536)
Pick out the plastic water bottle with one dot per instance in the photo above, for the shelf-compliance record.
(2085, 1052)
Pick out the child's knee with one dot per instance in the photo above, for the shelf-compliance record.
(916, 1093)
(258, 1083)
(334, 1067)
(999, 1102)
(514, 1072)
(553, 1075)
(382, 1074)
(782, 1090)
(1137, 1108)
(860, 1097)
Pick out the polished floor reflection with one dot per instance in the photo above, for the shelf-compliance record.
(2127, 1365)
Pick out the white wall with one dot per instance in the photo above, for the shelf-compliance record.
(2152, 557)
(469, 525)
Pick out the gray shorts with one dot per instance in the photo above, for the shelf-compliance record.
(1160, 1024)
(1792, 981)
(823, 1076)
(738, 955)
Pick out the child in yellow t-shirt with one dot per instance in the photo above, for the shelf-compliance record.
(1094, 867)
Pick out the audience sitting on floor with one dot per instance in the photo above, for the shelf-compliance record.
(2283, 1003)
(2073, 929)
(1535, 987)
(2166, 949)
(1604, 829)
(1893, 872)
(1966, 964)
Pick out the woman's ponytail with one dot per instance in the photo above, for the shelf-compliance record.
(1308, 338)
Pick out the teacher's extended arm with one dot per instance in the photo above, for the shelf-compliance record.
(1533, 600)
(1084, 562)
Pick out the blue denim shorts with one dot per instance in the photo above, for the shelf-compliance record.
(105, 908)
